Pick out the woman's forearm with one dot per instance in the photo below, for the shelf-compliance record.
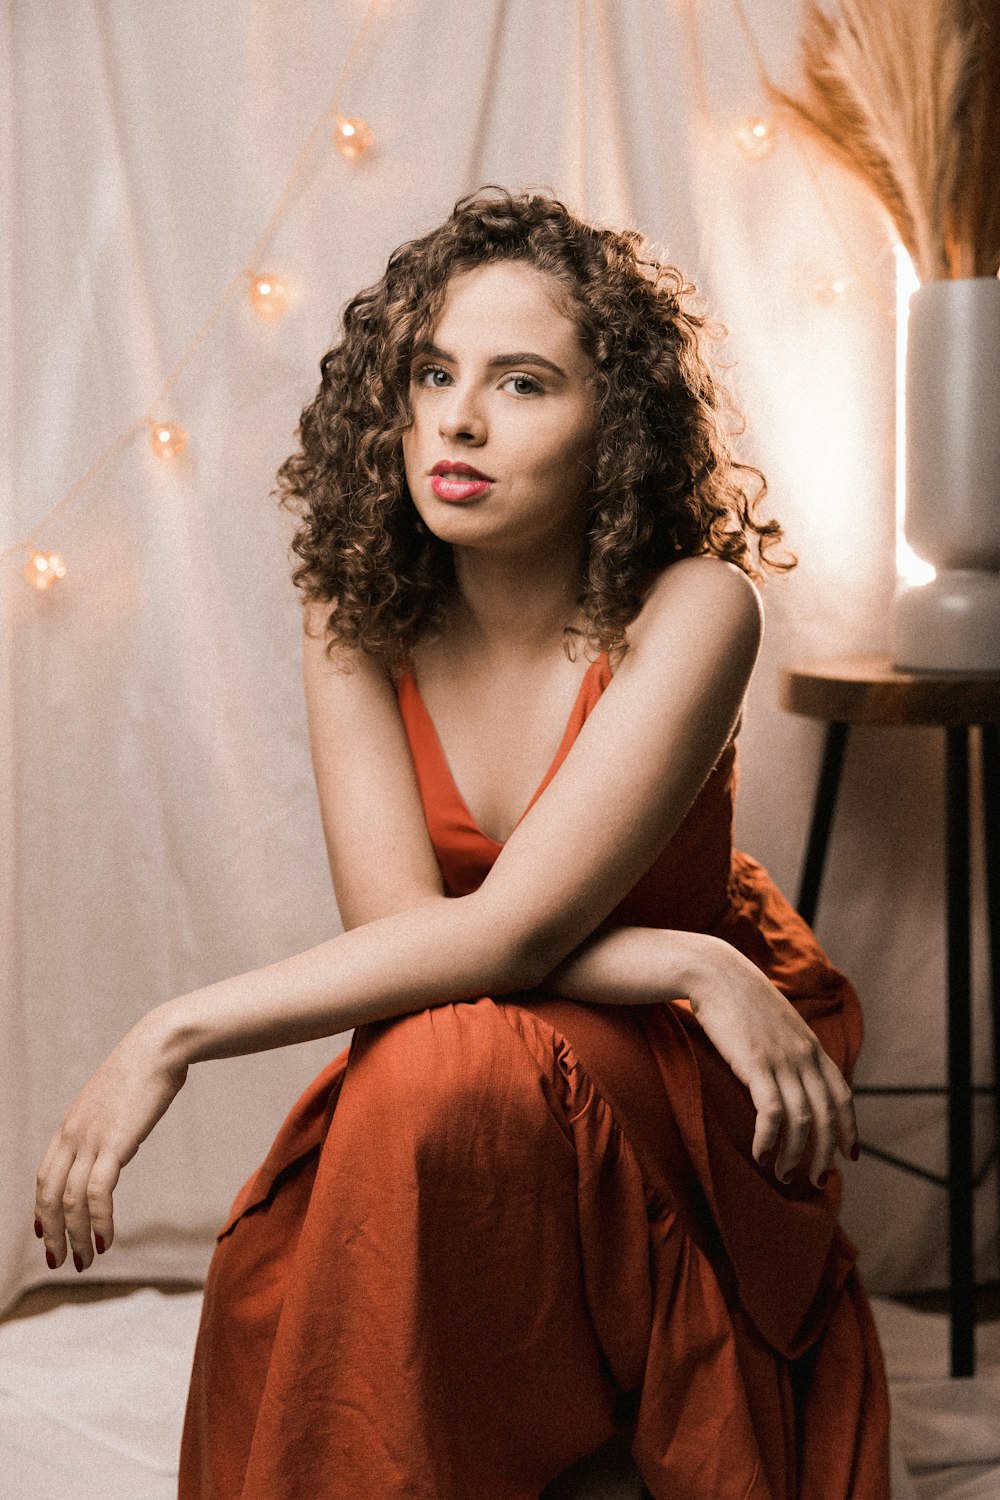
(639, 966)
(445, 949)
(441, 950)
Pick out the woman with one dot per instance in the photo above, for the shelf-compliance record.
(571, 1189)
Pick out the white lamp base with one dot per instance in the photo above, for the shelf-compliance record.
(951, 624)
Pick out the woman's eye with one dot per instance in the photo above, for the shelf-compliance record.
(432, 370)
(427, 370)
(526, 379)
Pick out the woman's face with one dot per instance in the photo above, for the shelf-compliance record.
(482, 394)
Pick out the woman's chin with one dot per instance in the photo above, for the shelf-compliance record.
(459, 522)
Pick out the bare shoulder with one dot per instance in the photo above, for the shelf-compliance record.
(699, 599)
(345, 665)
(699, 631)
(316, 616)
(350, 697)
(700, 614)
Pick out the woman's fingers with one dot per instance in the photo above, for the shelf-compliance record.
(49, 1187)
(73, 1200)
(796, 1087)
(770, 1112)
(76, 1210)
(824, 1121)
(815, 1099)
(101, 1131)
(103, 1181)
(798, 1119)
(843, 1104)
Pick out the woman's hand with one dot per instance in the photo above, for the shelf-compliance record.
(101, 1131)
(794, 1085)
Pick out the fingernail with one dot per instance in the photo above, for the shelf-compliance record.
(822, 1179)
(855, 1152)
(38, 1229)
(77, 1261)
(50, 1260)
(99, 1242)
(786, 1179)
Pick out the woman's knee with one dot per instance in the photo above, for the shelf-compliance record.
(457, 1080)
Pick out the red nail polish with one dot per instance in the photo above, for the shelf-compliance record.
(855, 1152)
(77, 1261)
(99, 1242)
(823, 1179)
(38, 1229)
(50, 1260)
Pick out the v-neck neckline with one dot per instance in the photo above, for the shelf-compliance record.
(554, 764)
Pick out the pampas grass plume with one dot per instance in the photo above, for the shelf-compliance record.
(906, 95)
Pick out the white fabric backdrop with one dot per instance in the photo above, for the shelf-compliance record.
(158, 820)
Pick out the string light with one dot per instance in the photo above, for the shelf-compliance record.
(44, 569)
(832, 218)
(755, 138)
(268, 295)
(830, 290)
(352, 138)
(167, 439)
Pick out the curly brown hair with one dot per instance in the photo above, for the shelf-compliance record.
(665, 482)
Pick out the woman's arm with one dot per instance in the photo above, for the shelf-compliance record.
(795, 1086)
(380, 854)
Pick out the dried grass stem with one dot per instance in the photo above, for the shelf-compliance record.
(906, 95)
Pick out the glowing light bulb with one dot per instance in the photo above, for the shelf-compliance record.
(829, 290)
(755, 138)
(43, 569)
(167, 439)
(268, 296)
(351, 137)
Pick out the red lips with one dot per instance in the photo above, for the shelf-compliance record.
(445, 466)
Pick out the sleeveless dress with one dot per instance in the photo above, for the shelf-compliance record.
(494, 1234)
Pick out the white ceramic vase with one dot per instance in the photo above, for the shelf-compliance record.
(952, 479)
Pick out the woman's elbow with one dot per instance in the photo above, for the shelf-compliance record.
(521, 954)
(518, 963)
(529, 965)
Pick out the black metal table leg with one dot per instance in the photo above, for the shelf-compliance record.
(990, 751)
(960, 1194)
(822, 817)
(867, 690)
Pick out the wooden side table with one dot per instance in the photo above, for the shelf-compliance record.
(868, 690)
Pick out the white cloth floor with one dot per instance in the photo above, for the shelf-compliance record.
(92, 1400)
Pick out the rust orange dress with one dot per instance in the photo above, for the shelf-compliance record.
(492, 1235)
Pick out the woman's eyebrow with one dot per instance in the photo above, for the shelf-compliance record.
(498, 360)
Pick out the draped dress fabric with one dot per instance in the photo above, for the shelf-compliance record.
(492, 1235)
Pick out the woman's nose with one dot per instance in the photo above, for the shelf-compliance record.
(460, 415)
